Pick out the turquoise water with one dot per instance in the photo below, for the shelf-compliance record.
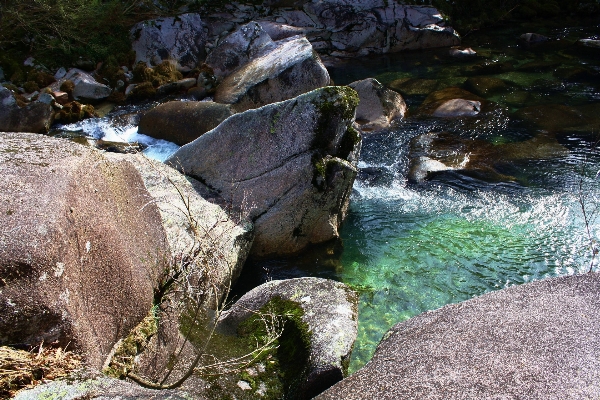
(409, 248)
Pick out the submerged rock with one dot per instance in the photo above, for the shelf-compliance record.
(435, 152)
(181, 122)
(329, 317)
(378, 106)
(484, 85)
(541, 335)
(552, 117)
(462, 53)
(180, 38)
(81, 247)
(415, 86)
(33, 117)
(286, 70)
(533, 38)
(289, 165)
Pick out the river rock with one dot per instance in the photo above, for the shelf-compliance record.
(451, 102)
(85, 86)
(462, 53)
(180, 38)
(330, 314)
(98, 387)
(81, 247)
(287, 70)
(484, 85)
(590, 43)
(414, 86)
(542, 336)
(238, 48)
(378, 106)
(34, 117)
(350, 29)
(436, 152)
(291, 165)
(278, 31)
(181, 122)
(552, 117)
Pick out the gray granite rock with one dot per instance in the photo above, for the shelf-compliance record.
(286, 70)
(378, 106)
(536, 341)
(290, 165)
(182, 38)
(330, 314)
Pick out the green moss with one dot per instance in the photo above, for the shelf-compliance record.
(30, 87)
(335, 104)
(293, 346)
(123, 360)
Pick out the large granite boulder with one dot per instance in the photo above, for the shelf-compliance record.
(378, 106)
(81, 246)
(208, 241)
(181, 122)
(290, 165)
(329, 312)
(98, 387)
(350, 29)
(238, 48)
(537, 341)
(181, 38)
(33, 117)
(286, 70)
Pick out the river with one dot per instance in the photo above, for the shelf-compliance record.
(413, 247)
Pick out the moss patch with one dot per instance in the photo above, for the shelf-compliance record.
(123, 360)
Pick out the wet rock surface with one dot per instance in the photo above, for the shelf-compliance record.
(541, 335)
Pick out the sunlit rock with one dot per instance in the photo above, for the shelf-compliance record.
(328, 326)
(378, 106)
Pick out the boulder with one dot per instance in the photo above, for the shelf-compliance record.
(287, 70)
(329, 313)
(98, 387)
(378, 106)
(85, 86)
(238, 48)
(34, 117)
(462, 53)
(291, 165)
(451, 102)
(196, 219)
(181, 122)
(414, 86)
(351, 29)
(208, 239)
(180, 38)
(81, 247)
(538, 340)
(278, 31)
(457, 108)
(435, 152)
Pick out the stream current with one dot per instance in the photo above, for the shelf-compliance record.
(409, 248)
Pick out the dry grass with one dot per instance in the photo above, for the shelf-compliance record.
(21, 369)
